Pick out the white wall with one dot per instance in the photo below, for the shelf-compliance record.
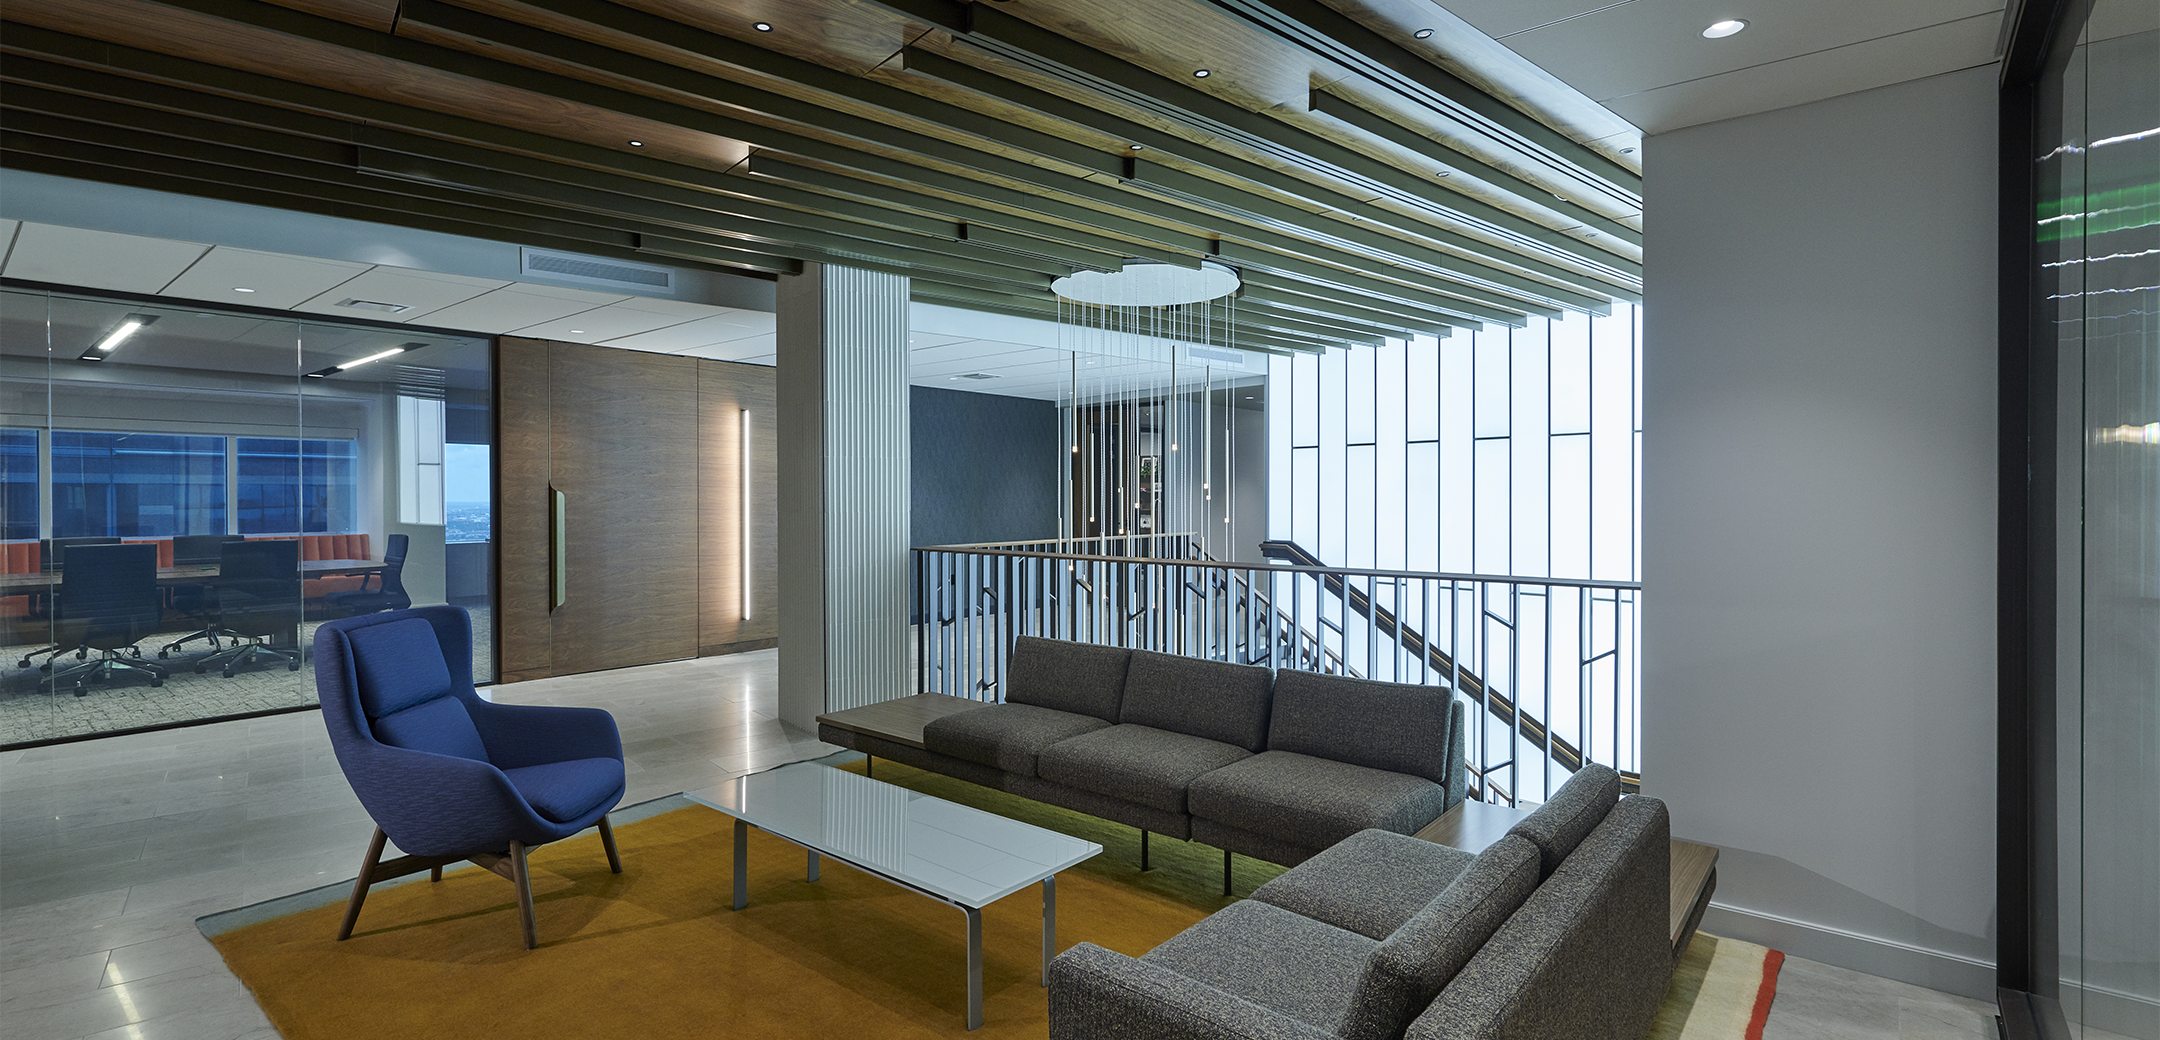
(1819, 521)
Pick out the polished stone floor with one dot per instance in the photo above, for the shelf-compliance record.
(109, 850)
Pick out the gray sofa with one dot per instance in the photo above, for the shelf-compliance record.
(1556, 932)
(1277, 766)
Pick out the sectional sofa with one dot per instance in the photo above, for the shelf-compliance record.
(1556, 932)
(1277, 766)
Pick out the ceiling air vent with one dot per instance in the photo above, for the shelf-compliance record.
(375, 305)
(596, 270)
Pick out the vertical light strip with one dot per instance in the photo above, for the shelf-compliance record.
(742, 499)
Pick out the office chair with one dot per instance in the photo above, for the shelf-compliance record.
(198, 601)
(389, 591)
(51, 551)
(449, 776)
(258, 599)
(112, 601)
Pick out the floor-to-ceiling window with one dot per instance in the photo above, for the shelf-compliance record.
(2099, 288)
(203, 442)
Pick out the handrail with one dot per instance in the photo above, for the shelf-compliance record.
(1355, 572)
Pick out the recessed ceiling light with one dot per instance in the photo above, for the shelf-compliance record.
(1443, 173)
(1202, 73)
(1137, 147)
(761, 26)
(241, 288)
(637, 144)
(1720, 30)
(577, 332)
(1627, 151)
(1422, 34)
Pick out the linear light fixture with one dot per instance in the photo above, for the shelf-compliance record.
(370, 359)
(743, 505)
(128, 326)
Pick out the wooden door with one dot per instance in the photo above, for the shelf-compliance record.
(614, 432)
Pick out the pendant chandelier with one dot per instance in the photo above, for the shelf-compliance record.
(1149, 445)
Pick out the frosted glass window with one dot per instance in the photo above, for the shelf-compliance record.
(420, 461)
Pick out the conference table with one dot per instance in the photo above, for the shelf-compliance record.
(190, 574)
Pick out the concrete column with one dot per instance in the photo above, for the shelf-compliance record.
(843, 496)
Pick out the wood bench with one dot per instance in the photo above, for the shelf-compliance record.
(1474, 826)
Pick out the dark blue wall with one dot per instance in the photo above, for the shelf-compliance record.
(985, 467)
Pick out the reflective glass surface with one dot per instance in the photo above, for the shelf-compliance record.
(951, 851)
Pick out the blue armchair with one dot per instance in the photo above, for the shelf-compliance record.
(449, 776)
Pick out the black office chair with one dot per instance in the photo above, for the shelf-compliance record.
(43, 607)
(258, 599)
(111, 593)
(389, 580)
(197, 601)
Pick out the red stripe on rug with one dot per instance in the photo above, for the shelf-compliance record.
(1763, 996)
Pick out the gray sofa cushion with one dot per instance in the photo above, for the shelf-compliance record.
(1402, 729)
(1096, 994)
(1222, 702)
(1142, 764)
(1412, 965)
(1289, 964)
(1077, 677)
(1370, 882)
(1311, 801)
(1008, 736)
(1588, 955)
(1560, 824)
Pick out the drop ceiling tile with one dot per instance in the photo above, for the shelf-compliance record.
(517, 306)
(686, 336)
(1814, 77)
(613, 321)
(1640, 46)
(737, 350)
(99, 259)
(1498, 18)
(421, 291)
(279, 280)
(921, 340)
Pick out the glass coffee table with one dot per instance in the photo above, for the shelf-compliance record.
(956, 855)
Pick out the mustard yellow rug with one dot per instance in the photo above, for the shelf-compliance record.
(655, 952)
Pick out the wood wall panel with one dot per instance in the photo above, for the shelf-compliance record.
(522, 417)
(724, 390)
(625, 457)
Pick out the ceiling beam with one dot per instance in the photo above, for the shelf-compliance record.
(1322, 30)
(1030, 45)
(932, 65)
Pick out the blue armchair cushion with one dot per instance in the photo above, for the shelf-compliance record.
(441, 726)
(565, 791)
(398, 665)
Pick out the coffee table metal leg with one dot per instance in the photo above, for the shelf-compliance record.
(1049, 925)
(742, 864)
(813, 866)
(974, 927)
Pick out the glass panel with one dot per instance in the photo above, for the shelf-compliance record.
(250, 458)
(2098, 233)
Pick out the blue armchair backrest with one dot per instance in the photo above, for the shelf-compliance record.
(406, 692)
(399, 678)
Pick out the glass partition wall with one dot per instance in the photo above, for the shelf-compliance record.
(188, 492)
(2098, 232)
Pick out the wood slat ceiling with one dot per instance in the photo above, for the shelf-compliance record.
(984, 149)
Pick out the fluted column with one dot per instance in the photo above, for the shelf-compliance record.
(843, 496)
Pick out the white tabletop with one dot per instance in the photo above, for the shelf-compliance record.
(965, 855)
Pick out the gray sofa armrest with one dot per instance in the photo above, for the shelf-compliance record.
(1099, 994)
(1458, 760)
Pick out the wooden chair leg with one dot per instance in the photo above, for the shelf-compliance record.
(361, 883)
(1143, 851)
(522, 878)
(1226, 872)
(607, 841)
(434, 874)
